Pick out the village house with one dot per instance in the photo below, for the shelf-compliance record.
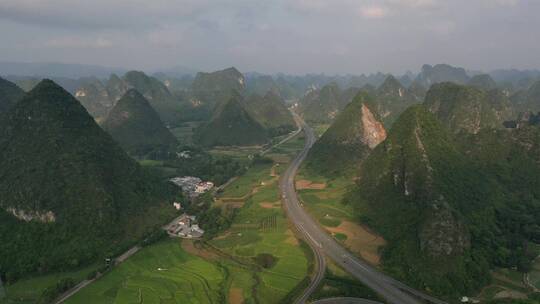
(192, 186)
(185, 227)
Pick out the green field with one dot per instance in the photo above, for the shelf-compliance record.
(326, 205)
(257, 231)
(243, 185)
(29, 290)
(260, 236)
(161, 273)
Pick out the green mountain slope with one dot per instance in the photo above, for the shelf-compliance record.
(483, 81)
(99, 98)
(70, 194)
(528, 100)
(463, 108)
(136, 126)
(322, 106)
(9, 95)
(231, 124)
(270, 111)
(94, 96)
(349, 139)
(392, 98)
(451, 206)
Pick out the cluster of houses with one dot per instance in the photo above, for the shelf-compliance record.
(192, 186)
(185, 226)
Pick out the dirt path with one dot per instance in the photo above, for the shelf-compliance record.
(190, 247)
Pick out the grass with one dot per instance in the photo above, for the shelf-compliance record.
(183, 278)
(319, 129)
(29, 290)
(326, 205)
(330, 222)
(340, 236)
(243, 185)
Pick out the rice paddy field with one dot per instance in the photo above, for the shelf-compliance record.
(161, 273)
(260, 237)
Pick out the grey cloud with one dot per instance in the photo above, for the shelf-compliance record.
(280, 35)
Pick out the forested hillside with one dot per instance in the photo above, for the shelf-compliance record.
(70, 194)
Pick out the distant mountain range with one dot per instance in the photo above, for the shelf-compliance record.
(61, 70)
(100, 97)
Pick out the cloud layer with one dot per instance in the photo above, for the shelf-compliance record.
(295, 36)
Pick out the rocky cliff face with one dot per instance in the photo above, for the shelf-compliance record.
(373, 130)
(442, 234)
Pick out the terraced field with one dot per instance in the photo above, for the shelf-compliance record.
(260, 237)
(161, 273)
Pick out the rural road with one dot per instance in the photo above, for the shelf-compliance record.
(85, 283)
(392, 291)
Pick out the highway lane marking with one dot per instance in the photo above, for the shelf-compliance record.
(301, 226)
(345, 256)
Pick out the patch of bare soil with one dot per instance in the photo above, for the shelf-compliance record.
(306, 184)
(268, 205)
(360, 240)
(236, 295)
(190, 247)
(291, 239)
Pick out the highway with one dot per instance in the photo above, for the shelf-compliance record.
(392, 291)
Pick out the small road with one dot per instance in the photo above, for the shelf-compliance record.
(74, 290)
(121, 258)
(297, 119)
(392, 291)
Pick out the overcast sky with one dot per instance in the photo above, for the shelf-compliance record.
(292, 36)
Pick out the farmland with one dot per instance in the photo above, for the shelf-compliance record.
(324, 199)
(161, 273)
(260, 237)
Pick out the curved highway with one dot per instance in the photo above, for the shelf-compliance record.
(391, 290)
